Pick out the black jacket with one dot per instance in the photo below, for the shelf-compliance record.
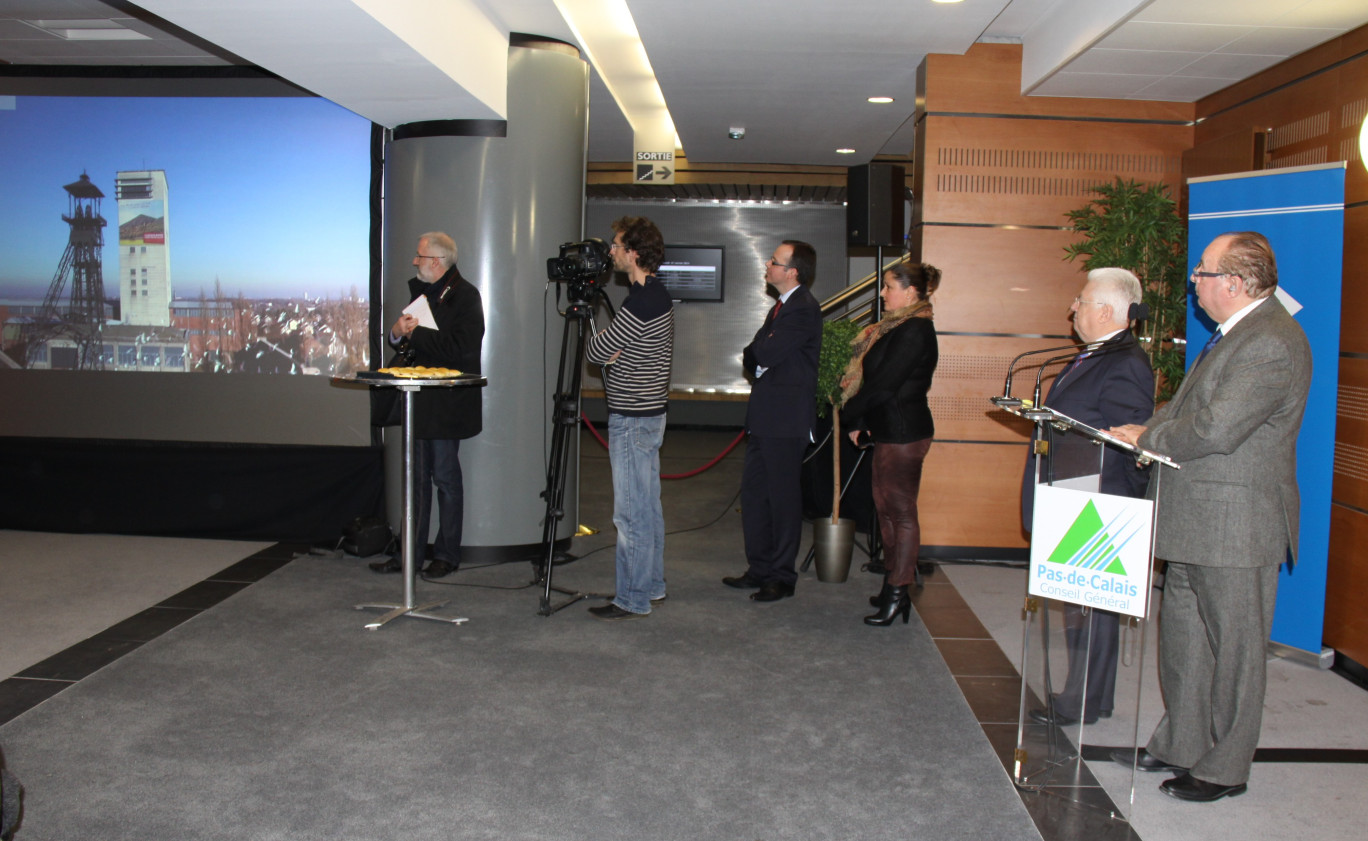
(443, 412)
(783, 400)
(891, 402)
(1113, 386)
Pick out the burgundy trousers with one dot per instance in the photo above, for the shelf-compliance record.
(896, 483)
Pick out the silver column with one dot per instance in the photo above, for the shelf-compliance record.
(509, 202)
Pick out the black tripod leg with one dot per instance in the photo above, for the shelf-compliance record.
(565, 419)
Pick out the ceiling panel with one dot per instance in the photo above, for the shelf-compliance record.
(794, 73)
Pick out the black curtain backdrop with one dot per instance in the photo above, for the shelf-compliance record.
(180, 489)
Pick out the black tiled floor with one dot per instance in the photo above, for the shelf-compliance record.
(250, 570)
(203, 595)
(80, 660)
(147, 625)
(18, 695)
(1073, 807)
(41, 681)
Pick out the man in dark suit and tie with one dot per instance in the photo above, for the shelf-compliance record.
(1225, 521)
(782, 362)
(1110, 383)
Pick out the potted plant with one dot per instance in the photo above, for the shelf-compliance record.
(1136, 226)
(834, 538)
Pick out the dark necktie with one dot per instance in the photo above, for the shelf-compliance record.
(1211, 343)
(774, 313)
(1078, 360)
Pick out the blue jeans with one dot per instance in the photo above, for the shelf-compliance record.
(439, 463)
(634, 453)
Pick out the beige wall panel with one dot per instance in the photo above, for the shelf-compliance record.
(997, 280)
(1351, 435)
(971, 496)
(987, 79)
(1354, 289)
(971, 370)
(1033, 172)
(1346, 622)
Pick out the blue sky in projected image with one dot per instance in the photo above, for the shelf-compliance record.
(269, 195)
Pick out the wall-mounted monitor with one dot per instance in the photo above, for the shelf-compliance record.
(692, 272)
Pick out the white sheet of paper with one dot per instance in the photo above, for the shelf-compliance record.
(420, 309)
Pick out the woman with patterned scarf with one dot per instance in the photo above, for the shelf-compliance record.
(884, 402)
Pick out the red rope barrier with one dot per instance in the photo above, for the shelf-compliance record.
(739, 437)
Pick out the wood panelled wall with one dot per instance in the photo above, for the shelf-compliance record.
(994, 175)
(1307, 110)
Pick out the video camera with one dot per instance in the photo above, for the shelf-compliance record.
(582, 265)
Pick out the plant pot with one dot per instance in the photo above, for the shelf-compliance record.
(834, 545)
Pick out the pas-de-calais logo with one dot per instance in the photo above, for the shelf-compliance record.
(1089, 543)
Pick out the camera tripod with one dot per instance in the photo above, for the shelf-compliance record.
(579, 318)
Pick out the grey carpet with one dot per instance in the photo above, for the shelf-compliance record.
(275, 716)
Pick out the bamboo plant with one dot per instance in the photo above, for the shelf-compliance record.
(1136, 226)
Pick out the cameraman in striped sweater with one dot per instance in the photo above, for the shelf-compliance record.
(636, 352)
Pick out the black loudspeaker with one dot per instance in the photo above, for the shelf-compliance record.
(874, 205)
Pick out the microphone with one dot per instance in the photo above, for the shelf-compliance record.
(1035, 397)
(1091, 348)
(1007, 385)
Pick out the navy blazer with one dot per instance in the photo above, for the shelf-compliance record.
(1113, 386)
(783, 401)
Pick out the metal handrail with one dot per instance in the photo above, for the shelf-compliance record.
(855, 290)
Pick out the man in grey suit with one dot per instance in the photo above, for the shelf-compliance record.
(1225, 521)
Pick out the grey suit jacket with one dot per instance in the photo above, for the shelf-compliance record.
(1233, 427)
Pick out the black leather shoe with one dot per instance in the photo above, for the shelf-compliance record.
(1043, 716)
(613, 613)
(744, 582)
(1188, 787)
(387, 567)
(895, 601)
(1144, 760)
(439, 569)
(772, 591)
(880, 597)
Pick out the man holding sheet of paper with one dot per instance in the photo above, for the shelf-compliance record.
(442, 327)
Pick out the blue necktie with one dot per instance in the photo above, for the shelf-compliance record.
(1211, 343)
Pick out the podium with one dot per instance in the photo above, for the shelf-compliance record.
(1092, 556)
(408, 540)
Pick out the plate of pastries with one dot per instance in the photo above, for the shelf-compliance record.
(421, 372)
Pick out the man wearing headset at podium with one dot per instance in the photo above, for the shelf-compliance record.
(1225, 521)
(1109, 384)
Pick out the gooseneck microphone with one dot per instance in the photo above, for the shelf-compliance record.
(1011, 367)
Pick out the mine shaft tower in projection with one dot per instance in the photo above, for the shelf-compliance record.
(80, 319)
(144, 258)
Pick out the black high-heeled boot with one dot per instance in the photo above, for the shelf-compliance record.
(897, 601)
(881, 596)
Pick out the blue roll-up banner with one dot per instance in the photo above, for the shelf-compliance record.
(1301, 211)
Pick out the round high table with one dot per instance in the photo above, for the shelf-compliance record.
(408, 540)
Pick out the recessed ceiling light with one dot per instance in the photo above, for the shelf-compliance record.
(88, 30)
(880, 100)
(945, 1)
(845, 151)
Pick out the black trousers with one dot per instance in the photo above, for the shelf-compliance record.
(772, 506)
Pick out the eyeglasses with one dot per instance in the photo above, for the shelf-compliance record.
(427, 257)
(611, 246)
(779, 265)
(1198, 274)
(1080, 302)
